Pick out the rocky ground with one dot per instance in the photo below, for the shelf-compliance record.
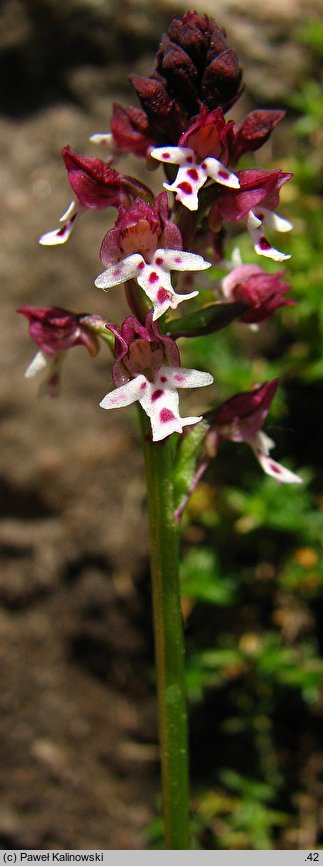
(78, 748)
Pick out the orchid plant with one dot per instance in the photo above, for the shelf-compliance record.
(156, 250)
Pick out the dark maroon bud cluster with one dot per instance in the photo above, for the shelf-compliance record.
(194, 66)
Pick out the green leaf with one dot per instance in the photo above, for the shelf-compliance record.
(202, 579)
(205, 321)
(186, 460)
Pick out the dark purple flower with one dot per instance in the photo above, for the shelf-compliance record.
(240, 419)
(132, 343)
(94, 182)
(55, 330)
(263, 292)
(256, 199)
(130, 130)
(141, 229)
(242, 416)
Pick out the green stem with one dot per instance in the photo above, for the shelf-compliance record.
(169, 640)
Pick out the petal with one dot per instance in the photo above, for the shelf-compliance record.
(180, 377)
(276, 470)
(188, 182)
(70, 211)
(261, 441)
(236, 258)
(126, 394)
(103, 138)
(177, 260)
(61, 235)
(220, 173)
(261, 445)
(274, 221)
(173, 155)
(162, 407)
(260, 242)
(39, 362)
(120, 272)
(171, 301)
(156, 283)
(161, 429)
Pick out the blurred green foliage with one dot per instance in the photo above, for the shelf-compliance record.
(252, 572)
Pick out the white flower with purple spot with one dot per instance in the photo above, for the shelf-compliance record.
(202, 153)
(146, 371)
(154, 278)
(191, 175)
(159, 398)
(255, 223)
(146, 246)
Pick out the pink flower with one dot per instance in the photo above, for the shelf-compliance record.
(147, 369)
(256, 199)
(145, 245)
(263, 292)
(240, 419)
(96, 186)
(199, 153)
(55, 330)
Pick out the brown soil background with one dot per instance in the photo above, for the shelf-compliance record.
(78, 752)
